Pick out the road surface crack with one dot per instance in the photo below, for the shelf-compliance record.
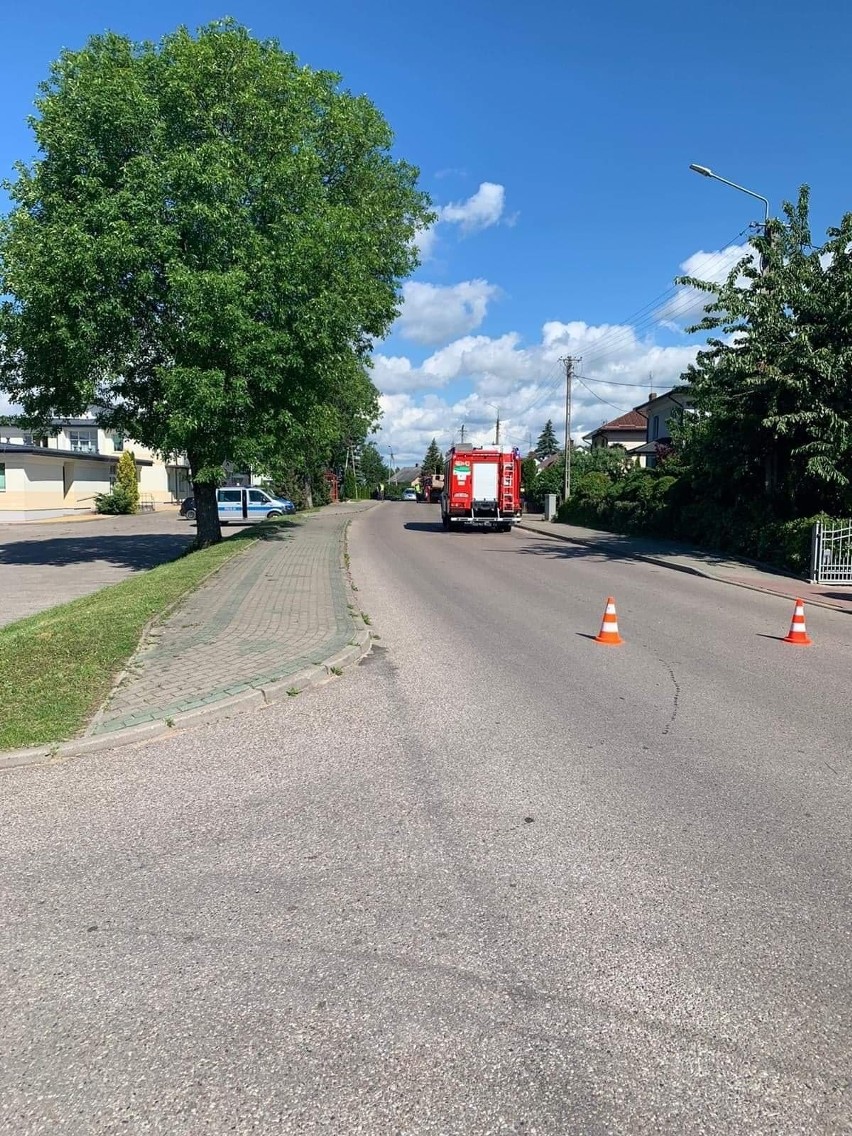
(675, 701)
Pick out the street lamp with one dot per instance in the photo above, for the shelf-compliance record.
(708, 173)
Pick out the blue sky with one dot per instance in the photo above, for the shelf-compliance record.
(555, 140)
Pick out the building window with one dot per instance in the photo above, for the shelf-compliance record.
(83, 441)
(118, 442)
(2, 477)
(655, 428)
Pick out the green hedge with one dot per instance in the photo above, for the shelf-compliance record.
(653, 502)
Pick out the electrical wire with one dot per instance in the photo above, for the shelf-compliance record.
(631, 328)
(605, 401)
(612, 342)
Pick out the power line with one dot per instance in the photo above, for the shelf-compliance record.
(605, 401)
(609, 383)
(628, 328)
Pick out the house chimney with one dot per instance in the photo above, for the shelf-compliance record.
(651, 397)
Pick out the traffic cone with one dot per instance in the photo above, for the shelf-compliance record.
(798, 634)
(608, 634)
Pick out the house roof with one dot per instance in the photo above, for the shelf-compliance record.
(675, 394)
(651, 447)
(550, 460)
(632, 420)
(409, 473)
(77, 455)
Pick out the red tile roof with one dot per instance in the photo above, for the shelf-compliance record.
(632, 420)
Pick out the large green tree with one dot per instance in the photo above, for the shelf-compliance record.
(374, 472)
(547, 444)
(774, 389)
(208, 235)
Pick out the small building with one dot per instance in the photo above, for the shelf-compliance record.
(628, 431)
(405, 476)
(660, 412)
(62, 473)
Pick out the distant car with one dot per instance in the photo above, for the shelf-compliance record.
(187, 508)
(409, 494)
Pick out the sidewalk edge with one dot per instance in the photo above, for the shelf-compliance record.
(686, 569)
(258, 698)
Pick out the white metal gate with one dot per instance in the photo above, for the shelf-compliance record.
(831, 553)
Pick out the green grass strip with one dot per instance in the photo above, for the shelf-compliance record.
(57, 667)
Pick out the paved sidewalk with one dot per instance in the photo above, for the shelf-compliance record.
(684, 558)
(268, 614)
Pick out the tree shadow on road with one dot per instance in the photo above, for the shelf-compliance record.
(137, 551)
(550, 550)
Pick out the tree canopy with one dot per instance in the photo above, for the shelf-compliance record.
(774, 389)
(210, 236)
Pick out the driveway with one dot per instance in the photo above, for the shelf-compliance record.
(46, 564)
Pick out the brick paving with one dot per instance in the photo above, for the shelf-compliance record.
(276, 609)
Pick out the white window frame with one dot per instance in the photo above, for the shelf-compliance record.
(78, 435)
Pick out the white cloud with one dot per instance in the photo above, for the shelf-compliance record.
(687, 304)
(483, 209)
(434, 314)
(525, 381)
(479, 211)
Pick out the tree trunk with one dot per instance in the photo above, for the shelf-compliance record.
(308, 494)
(208, 530)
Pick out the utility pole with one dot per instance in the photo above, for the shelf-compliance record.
(497, 432)
(569, 362)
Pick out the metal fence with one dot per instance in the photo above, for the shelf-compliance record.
(831, 553)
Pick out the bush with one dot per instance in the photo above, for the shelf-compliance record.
(350, 487)
(788, 543)
(118, 500)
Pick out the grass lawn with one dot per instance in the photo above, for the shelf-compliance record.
(56, 668)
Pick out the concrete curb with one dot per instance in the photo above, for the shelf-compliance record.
(259, 698)
(691, 571)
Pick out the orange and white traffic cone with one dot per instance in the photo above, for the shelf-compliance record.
(798, 634)
(608, 634)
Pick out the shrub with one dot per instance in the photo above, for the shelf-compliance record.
(126, 483)
(350, 488)
(116, 501)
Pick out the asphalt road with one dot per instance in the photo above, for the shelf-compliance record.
(46, 564)
(499, 879)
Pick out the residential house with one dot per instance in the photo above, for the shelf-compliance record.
(628, 431)
(661, 411)
(51, 476)
(406, 476)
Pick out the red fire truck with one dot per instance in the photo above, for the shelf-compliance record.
(482, 487)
